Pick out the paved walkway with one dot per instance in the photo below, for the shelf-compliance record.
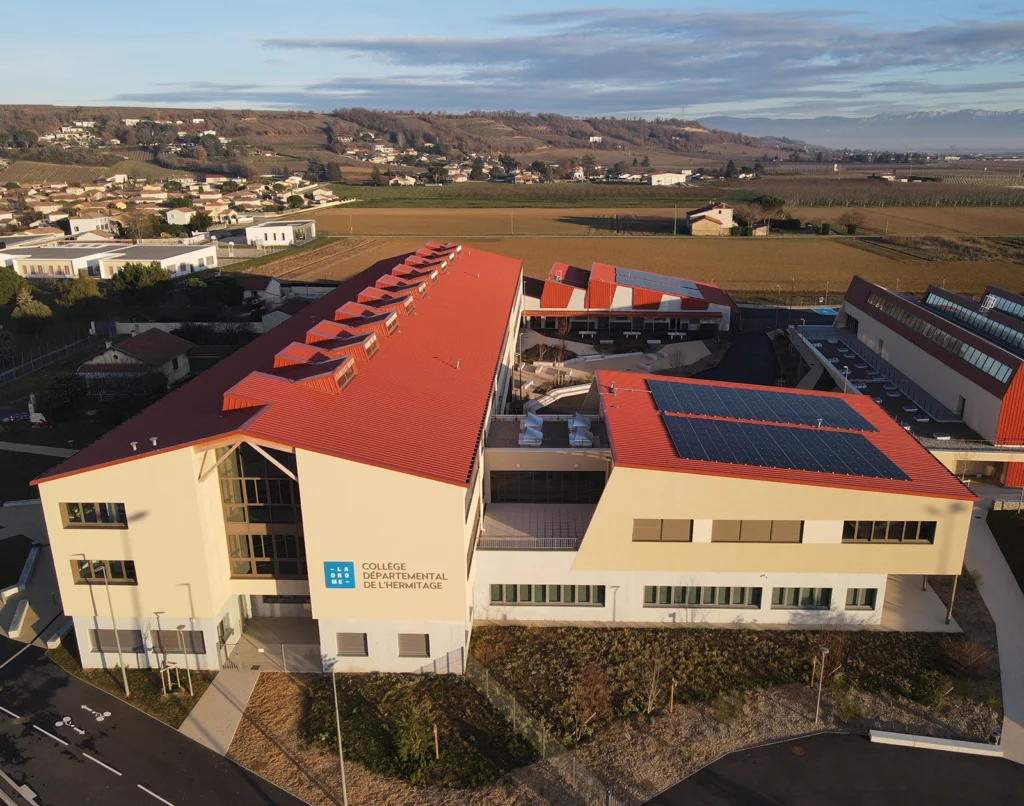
(1005, 602)
(215, 718)
(43, 592)
(41, 450)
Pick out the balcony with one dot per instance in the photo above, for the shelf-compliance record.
(534, 527)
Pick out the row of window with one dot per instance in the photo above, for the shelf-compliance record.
(277, 556)
(554, 595)
(86, 515)
(942, 338)
(979, 321)
(101, 572)
(166, 642)
(889, 531)
(1008, 306)
(410, 645)
(782, 598)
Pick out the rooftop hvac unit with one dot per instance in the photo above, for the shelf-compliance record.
(988, 303)
(531, 420)
(531, 438)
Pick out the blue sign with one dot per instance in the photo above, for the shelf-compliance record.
(340, 575)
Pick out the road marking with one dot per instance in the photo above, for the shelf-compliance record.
(97, 761)
(154, 795)
(15, 655)
(9, 713)
(47, 733)
(25, 791)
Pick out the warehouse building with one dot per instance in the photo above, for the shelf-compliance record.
(350, 490)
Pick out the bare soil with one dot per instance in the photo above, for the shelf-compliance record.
(925, 220)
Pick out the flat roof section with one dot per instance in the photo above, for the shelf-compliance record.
(416, 407)
(640, 438)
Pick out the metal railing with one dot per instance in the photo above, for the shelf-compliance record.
(453, 662)
(44, 359)
(294, 658)
(583, 782)
(936, 410)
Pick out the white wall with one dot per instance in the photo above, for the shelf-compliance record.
(382, 642)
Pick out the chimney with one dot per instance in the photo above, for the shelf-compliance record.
(458, 363)
(135, 447)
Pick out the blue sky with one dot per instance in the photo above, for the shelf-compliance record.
(793, 58)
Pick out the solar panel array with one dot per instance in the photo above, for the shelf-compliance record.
(756, 404)
(657, 282)
(778, 446)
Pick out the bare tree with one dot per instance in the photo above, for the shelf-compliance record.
(651, 679)
(590, 699)
(564, 329)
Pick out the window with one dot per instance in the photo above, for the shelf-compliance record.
(106, 641)
(696, 596)
(274, 556)
(255, 490)
(757, 531)
(94, 516)
(100, 572)
(889, 531)
(559, 595)
(413, 645)
(675, 531)
(352, 644)
(546, 487)
(174, 364)
(861, 598)
(170, 642)
(801, 598)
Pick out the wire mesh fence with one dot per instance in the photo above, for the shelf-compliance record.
(27, 361)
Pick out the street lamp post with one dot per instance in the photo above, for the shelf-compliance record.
(341, 751)
(821, 680)
(117, 637)
(846, 377)
(188, 670)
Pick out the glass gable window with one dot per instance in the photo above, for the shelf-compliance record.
(255, 490)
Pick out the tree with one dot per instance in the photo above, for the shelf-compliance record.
(764, 207)
(333, 173)
(295, 202)
(646, 163)
(635, 163)
(77, 289)
(376, 179)
(200, 221)
(142, 283)
(758, 168)
(172, 186)
(12, 186)
(136, 224)
(730, 170)
(437, 174)
(851, 220)
(6, 345)
(415, 737)
(230, 186)
(589, 700)
(588, 163)
(199, 153)
(10, 284)
(476, 173)
(178, 201)
(30, 314)
(63, 396)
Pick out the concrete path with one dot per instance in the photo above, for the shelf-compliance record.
(1005, 602)
(215, 718)
(41, 450)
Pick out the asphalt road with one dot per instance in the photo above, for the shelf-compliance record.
(73, 745)
(848, 770)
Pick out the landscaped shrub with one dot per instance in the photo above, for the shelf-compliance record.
(387, 726)
(542, 666)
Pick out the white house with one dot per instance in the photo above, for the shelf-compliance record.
(281, 233)
(669, 177)
(180, 216)
(89, 224)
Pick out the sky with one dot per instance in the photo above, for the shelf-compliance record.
(783, 58)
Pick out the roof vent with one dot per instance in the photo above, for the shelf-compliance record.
(135, 446)
(611, 388)
(988, 303)
(153, 440)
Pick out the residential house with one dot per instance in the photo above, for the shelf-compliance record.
(281, 232)
(715, 219)
(129, 366)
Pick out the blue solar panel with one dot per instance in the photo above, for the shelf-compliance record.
(657, 282)
(756, 404)
(778, 446)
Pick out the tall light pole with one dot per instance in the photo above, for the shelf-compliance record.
(846, 377)
(341, 750)
(821, 680)
(117, 638)
(188, 671)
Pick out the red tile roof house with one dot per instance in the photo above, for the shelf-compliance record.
(128, 367)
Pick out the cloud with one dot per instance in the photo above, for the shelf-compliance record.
(619, 61)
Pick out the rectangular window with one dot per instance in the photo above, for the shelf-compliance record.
(697, 596)
(583, 595)
(94, 516)
(271, 556)
(171, 642)
(105, 641)
(757, 531)
(861, 598)
(674, 531)
(889, 531)
(352, 644)
(801, 598)
(100, 572)
(413, 645)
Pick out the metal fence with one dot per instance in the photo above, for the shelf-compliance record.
(453, 662)
(583, 782)
(294, 658)
(36, 358)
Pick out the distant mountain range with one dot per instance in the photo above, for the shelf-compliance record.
(965, 130)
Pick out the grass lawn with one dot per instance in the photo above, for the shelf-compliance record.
(279, 254)
(17, 470)
(13, 553)
(388, 723)
(144, 684)
(1008, 529)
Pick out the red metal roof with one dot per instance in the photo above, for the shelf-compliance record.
(417, 406)
(639, 439)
